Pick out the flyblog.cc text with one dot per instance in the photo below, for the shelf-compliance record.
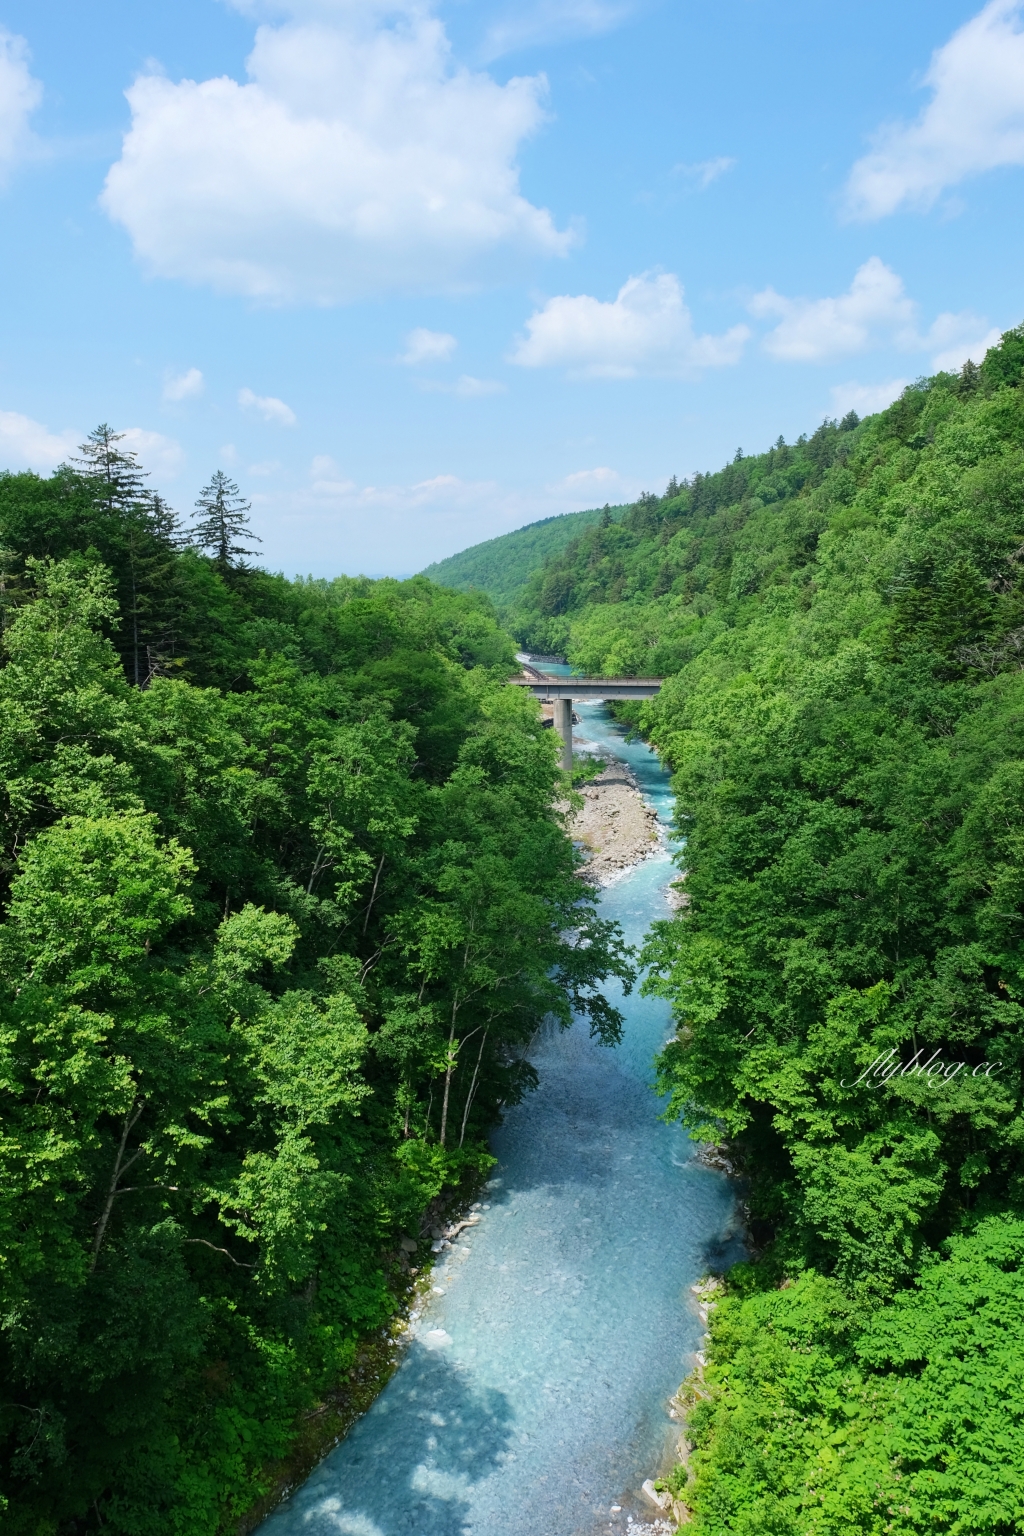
(935, 1071)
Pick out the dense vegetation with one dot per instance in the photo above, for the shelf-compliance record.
(501, 566)
(841, 626)
(284, 896)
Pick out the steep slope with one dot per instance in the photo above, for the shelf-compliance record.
(841, 626)
(501, 567)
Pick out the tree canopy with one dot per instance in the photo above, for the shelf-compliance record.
(841, 625)
(285, 892)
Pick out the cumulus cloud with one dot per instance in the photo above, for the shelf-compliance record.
(184, 386)
(423, 346)
(701, 173)
(162, 455)
(267, 406)
(875, 311)
(865, 399)
(357, 159)
(811, 330)
(646, 329)
(27, 444)
(20, 94)
(959, 337)
(974, 121)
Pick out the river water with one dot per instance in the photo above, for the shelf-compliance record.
(533, 1396)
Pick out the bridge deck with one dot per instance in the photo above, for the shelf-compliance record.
(589, 687)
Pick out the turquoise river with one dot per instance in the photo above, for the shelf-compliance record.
(533, 1396)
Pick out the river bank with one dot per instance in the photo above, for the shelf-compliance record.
(533, 1396)
(616, 826)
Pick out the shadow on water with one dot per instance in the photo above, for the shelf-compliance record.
(426, 1441)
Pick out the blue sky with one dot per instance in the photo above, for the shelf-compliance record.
(416, 275)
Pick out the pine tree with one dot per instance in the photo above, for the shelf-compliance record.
(139, 536)
(165, 522)
(224, 521)
(118, 476)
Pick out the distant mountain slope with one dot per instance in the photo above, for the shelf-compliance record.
(501, 567)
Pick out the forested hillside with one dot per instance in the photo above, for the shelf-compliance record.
(841, 626)
(283, 897)
(501, 567)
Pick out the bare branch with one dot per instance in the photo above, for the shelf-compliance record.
(203, 1243)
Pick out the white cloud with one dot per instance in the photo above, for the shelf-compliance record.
(162, 455)
(865, 399)
(265, 467)
(267, 406)
(20, 94)
(959, 337)
(465, 386)
(470, 388)
(646, 329)
(552, 21)
(703, 172)
(423, 346)
(811, 330)
(27, 444)
(973, 123)
(184, 386)
(874, 312)
(337, 524)
(592, 482)
(358, 159)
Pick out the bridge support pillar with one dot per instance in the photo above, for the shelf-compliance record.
(563, 725)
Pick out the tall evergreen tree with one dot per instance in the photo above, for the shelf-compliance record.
(223, 521)
(139, 537)
(118, 475)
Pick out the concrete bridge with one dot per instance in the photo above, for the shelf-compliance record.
(560, 691)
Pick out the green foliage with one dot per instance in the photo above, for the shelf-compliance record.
(223, 519)
(501, 567)
(276, 927)
(841, 628)
(821, 1418)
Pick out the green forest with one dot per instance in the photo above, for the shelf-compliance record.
(285, 893)
(501, 567)
(840, 623)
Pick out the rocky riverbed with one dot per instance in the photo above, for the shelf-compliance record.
(617, 826)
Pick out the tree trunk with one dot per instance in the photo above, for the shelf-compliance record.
(448, 1077)
(120, 1167)
(472, 1088)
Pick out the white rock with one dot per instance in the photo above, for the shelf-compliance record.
(663, 1500)
(437, 1338)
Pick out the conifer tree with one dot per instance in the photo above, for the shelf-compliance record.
(118, 475)
(223, 521)
(165, 522)
(139, 535)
